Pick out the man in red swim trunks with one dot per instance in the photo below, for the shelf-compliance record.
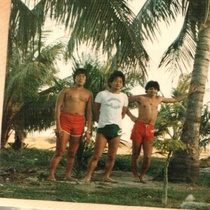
(71, 105)
(143, 130)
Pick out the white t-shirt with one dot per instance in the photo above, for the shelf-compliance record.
(111, 107)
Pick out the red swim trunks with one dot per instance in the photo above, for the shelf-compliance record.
(142, 132)
(72, 124)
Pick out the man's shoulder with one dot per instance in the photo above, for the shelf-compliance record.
(66, 89)
(124, 94)
(104, 92)
(141, 96)
(88, 91)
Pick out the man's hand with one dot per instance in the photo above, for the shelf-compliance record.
(58, 133)
(87, 136)
(133, 118)
(192, 89)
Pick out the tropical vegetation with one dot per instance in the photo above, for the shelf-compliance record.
(27, 104)
(25, 178)
(110, 26)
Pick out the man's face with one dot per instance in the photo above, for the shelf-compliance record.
(117, 83)
(80, 79)
(152, 91)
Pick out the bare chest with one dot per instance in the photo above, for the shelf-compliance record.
(76, 96)
(148, 104)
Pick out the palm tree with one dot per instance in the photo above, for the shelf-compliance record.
(188, 162)
(111, 25)
(27, 75)
(171, 116)
(107, 26)
(193, 42)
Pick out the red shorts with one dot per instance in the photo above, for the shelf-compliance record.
(72, 124)
(142, 132)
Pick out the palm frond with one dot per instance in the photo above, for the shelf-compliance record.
(110, 26)
(26, 23)
(181, 52)
(155, 12)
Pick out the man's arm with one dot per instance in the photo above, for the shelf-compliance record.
(132, 99)
(58, 105)
(132, 117)
(89, 112)
(96, 111)
(124, 109)
(89, 115)
(180, 98)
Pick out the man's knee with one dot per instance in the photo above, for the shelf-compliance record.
(96, 157)
(59, 153)
(135, 156)
(111, 157)
(71, 154)
(147, 159)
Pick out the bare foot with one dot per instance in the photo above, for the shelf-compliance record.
(51, 178)
(109, 180)
(86, 179)
(70, 179)
(142, 180)
(136, 179)
(139, 179)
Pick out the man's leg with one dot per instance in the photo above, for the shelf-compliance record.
(100, 144)
(60, 149)
(147, 147)
(136, 149)
(112, 150)
(73, 147)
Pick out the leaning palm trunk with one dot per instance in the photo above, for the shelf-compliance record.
(184, 165)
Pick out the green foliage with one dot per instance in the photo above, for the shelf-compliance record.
(84, 153)
(171, 118)
(204, 138)
(27, 103)
(27, 171)
(122, 163)
(204, 179)
(167, 145)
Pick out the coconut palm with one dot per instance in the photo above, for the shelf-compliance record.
(27, 75)
(111, 25)
(193, 42)
(107, 26)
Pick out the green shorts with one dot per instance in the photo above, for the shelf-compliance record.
(110, 131)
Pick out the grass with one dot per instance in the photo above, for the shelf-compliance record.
(24, 173)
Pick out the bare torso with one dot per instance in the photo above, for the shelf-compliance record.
(75, 100)
(148, 108)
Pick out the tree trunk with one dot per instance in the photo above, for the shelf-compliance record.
(184, 165)
(6, 127)
(5, 134)
(19, 138)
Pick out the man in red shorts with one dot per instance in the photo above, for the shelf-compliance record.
(71, 105)
(143, 129)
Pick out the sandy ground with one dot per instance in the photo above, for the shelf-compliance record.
(46, 140)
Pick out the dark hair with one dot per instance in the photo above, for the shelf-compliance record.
(114, 75)
(79, 71)
(153, 84)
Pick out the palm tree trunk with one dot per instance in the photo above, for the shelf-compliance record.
(18, 144)
(184, 165)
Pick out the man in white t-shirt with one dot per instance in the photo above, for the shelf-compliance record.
(110, 108)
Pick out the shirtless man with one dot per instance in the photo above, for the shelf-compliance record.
(143, 129)
(71, 105)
